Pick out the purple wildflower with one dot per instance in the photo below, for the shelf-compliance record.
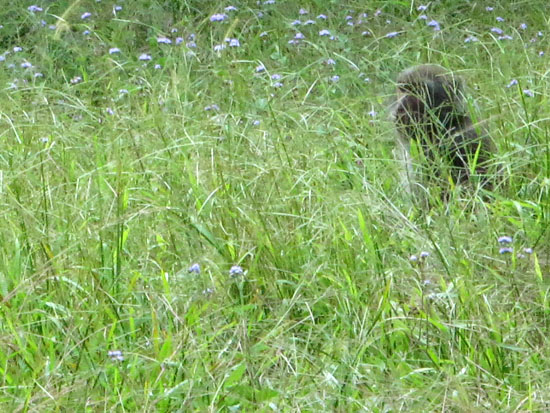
(195, 268)
(236, 270)
(504, 239)
(434, 24)
(218, 17)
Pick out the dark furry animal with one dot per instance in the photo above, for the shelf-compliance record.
(430, 110)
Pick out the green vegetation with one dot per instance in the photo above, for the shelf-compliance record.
(118, 173)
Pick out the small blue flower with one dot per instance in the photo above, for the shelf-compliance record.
(296, 23)
(513, 82)
(505, 239)
(505, 250)
(434, 24)
(324, 32)
(496, 30)
(299, 36)
(303, 11)
(86, 15)
(230, 8)
(164, 40)
(236, 270)
(114, 50)
(34, 8)
(413, 258)
(335, 78)
(499, 19)
(144, 57)
(195, 268)
(471, 39)
(523, 26)
(528, 93)
(330, 62)
(422, 7)
(260, 68)
(115, 355)
(528, 250)
(392, 34)
(234, 43)
(489, 8)
(322, 17)
(424, 254)
(218, 17)
(276, 76)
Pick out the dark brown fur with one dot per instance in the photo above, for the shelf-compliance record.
(431, 111)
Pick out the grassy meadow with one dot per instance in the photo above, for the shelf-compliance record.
(202, 209)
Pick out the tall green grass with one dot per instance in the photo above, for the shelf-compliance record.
(116, 177)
